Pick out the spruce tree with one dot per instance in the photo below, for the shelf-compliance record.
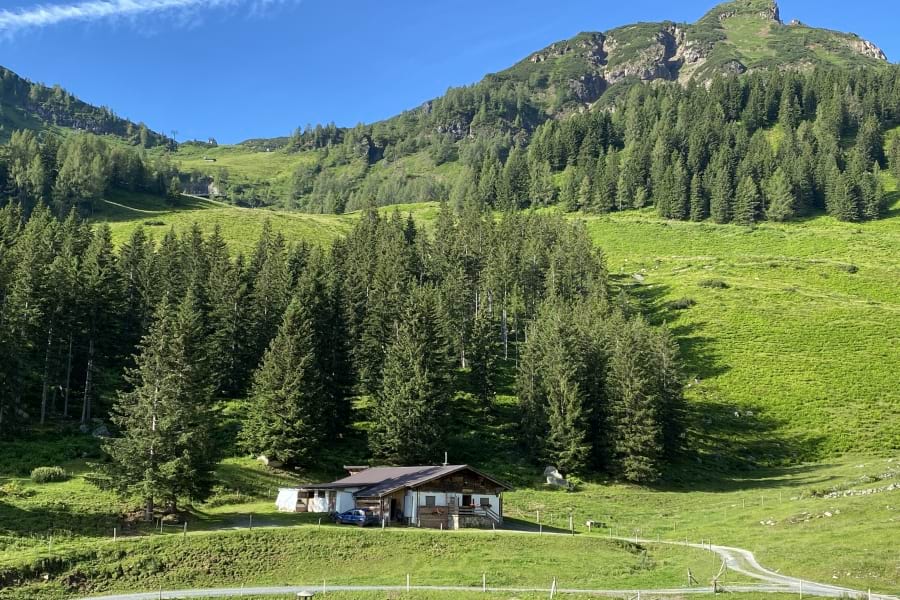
(227, 319)
(515, 184)
(542, 189)
(485, 350)
(552, 389)
(638, 436)
(699, 205)
(102, 317)
(489, 181)
(746, 202)
(411, 404)
(720, 198)
(780, 201)
(840, 197)
(895, 157)
(872, 192)
(286, 415)
(164, 450)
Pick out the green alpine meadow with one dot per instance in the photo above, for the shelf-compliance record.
(621, 319)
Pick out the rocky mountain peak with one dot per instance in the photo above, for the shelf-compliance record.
(767, 10)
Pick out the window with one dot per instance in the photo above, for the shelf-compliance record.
(430, 500)
(485, 502)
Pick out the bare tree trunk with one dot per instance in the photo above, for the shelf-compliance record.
(148, 509)
(505, 329)
(86, 406)
(68, 379)
(46, 384)
(516, 320)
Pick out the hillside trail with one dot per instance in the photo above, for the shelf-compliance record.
(137, 210)
(738, 560)
(745, 563)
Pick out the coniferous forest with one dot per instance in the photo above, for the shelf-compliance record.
(155, 336)
(771, 145)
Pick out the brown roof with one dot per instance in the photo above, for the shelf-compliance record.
(380, 481)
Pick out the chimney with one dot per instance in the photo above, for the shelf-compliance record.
(445, 459)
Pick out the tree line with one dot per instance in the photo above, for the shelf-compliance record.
(768, 146)
(765, 146)
(154, 336)
(77, 170)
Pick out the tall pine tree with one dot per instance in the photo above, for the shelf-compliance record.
(409, 418)
(164, 450)
(287, 414)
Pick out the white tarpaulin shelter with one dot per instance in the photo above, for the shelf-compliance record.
(303, 500)
(287, 499)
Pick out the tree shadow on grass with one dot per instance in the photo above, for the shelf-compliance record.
(892, 201)
(724, 448)
(698, 356)
(56, 519)
(720, 441)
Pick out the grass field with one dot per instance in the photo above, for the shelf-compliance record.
(240, 226)
(796, 357)
(778, 513)
(351, 556)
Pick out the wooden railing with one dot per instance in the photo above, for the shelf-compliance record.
(478, 511)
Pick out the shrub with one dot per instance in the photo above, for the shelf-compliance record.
(154, 223)
(849, 268)
(682, 303)
(49, 474)
(14, 490)
(222, 496)
(716, 284)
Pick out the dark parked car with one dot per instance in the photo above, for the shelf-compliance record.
(357, 516)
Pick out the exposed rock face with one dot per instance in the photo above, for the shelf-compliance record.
(770, 13)
(588, 88)
(867, 48)
(734, 66)
(661, 59)
(590, 48)
(457, 129)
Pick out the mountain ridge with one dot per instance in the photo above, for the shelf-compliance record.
(717, 43)
(25, 104)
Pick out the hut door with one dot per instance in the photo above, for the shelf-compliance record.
(467, 500)
(394, 516)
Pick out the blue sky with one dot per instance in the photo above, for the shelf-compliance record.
(236, 69)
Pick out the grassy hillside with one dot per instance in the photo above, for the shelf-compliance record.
(28, 105)
(240, 226)
(795, 327)
(784, 515)
(789, 340)
(345, 556)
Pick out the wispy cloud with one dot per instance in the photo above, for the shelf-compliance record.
(12, 21)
